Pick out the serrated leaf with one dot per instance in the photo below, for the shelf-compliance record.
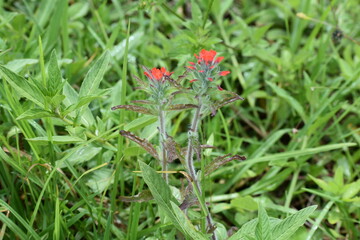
(34, 113)
(142, 142)
(54, 83)
(262, 230)
(287, 227)
(134, 108)
(22, 86)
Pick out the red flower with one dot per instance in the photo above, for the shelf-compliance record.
(206, 56)
(194, 80)
(157, 74)
(210, 79)
(191, 67)
(220, 88)
(219, 59)
(224, 73)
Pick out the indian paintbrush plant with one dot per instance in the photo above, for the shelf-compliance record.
(207, 97)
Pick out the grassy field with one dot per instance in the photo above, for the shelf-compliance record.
(67, 173)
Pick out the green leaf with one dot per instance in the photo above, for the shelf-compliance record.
(139, 123)
(81, 155)
(339, 177)
(17, 65)
(291, 100)
(81, 102)
(350, 190)
(93, 78)
(185, 223)
(162, 195)
(22, 86)
(34, 113)
(72, 98)
(54, 75)
(56, 140)
(324, 185)
(287, 227)
(244, 203)
(263, 231)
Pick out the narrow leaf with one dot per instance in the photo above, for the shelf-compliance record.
(143, 196)
(34, 113)
(175, 107)
(219, 161)
(134, 108)
(142, 142)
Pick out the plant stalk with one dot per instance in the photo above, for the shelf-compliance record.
(162, 141)
(189, 160)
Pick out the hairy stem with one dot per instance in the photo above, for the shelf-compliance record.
(189, 159)
(162, 140)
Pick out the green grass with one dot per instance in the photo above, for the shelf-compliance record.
(64, 166)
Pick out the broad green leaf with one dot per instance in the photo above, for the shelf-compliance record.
(185, 223)
(162, 195)
(34, 113)
(351, 189)
(244, 203)
(263, 231)
(291, 100)
(100, 179)
(81, 155)
(54, 81)
(324, 185)
(72, 98)
(339, 176)
(22, 86)
(56, 140)
(17, 65)
(81, 102)
(287, 227)
(94, 76)
(248, 229)
(133, 151)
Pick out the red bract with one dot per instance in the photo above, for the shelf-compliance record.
(206, 56)
(157, 74)
(224, 73)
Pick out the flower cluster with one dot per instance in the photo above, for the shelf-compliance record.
(206, 68)
(158, 74)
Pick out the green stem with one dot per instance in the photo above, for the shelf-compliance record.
(189, 160)
(162, 141)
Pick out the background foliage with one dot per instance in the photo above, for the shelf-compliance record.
(298, 125)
